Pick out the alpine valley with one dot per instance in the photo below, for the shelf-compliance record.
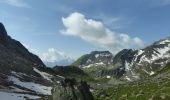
(100, 75)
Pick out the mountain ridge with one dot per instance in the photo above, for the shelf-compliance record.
(135, 62)
(24, 76)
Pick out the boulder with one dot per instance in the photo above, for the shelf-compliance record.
(70, 89)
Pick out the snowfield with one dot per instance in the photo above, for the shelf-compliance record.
(39, 89)
(44, 74)
(95, 64)
(16, 96)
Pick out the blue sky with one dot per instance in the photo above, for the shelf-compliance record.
(56, 29)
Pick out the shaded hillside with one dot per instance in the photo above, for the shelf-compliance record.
(14, 56)
(24, 76)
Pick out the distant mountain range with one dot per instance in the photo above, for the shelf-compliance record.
(64, 62)
(128, 64)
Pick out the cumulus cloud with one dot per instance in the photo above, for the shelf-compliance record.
(17, 3)
(53, 55)
(94, 32)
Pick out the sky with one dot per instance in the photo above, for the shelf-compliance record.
(60, 30)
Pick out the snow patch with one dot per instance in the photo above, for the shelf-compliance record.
(95, 64)
(89, 60)
(44, 74)
(151, 73)
(144, 58)
(128, 78)
(18, 74)
(16, 96)
(164, 41)
(102, 55)
(140, 52)
(161, 53)
(40, 89)
(108, 76)
(127, 67)
(97, 55)
(60, 76)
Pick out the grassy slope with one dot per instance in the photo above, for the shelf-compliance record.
(149, 90)
(81, 60)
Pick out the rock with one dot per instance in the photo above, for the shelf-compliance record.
(70, 89)
(3, 33)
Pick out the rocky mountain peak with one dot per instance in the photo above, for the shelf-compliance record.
(100, 52)
(14, 56)
(3, 33)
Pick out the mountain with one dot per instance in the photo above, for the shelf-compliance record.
(64, 62)
(155, 87)
(12, 52)
(145, 62)
(23, 76)
(128, 64)
(20, 70)
(95, 58)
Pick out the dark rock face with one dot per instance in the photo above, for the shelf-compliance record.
(14, 56)
(124, 55)
(3, 33)
(118, 72)
(70, 89)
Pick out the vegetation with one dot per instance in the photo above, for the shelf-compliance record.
(136, 91)
(165, 69)
(81, 60)
(156, 89)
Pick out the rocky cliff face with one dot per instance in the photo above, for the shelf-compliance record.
(13, 55)
(70, 89)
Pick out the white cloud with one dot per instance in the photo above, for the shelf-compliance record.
(96, 33)
(17, 3)
(52, 55)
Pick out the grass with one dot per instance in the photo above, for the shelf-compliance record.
(165, 69)
(81, 60)
(137, 91)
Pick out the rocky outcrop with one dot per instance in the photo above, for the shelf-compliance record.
(111, 72)
(70, 89)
